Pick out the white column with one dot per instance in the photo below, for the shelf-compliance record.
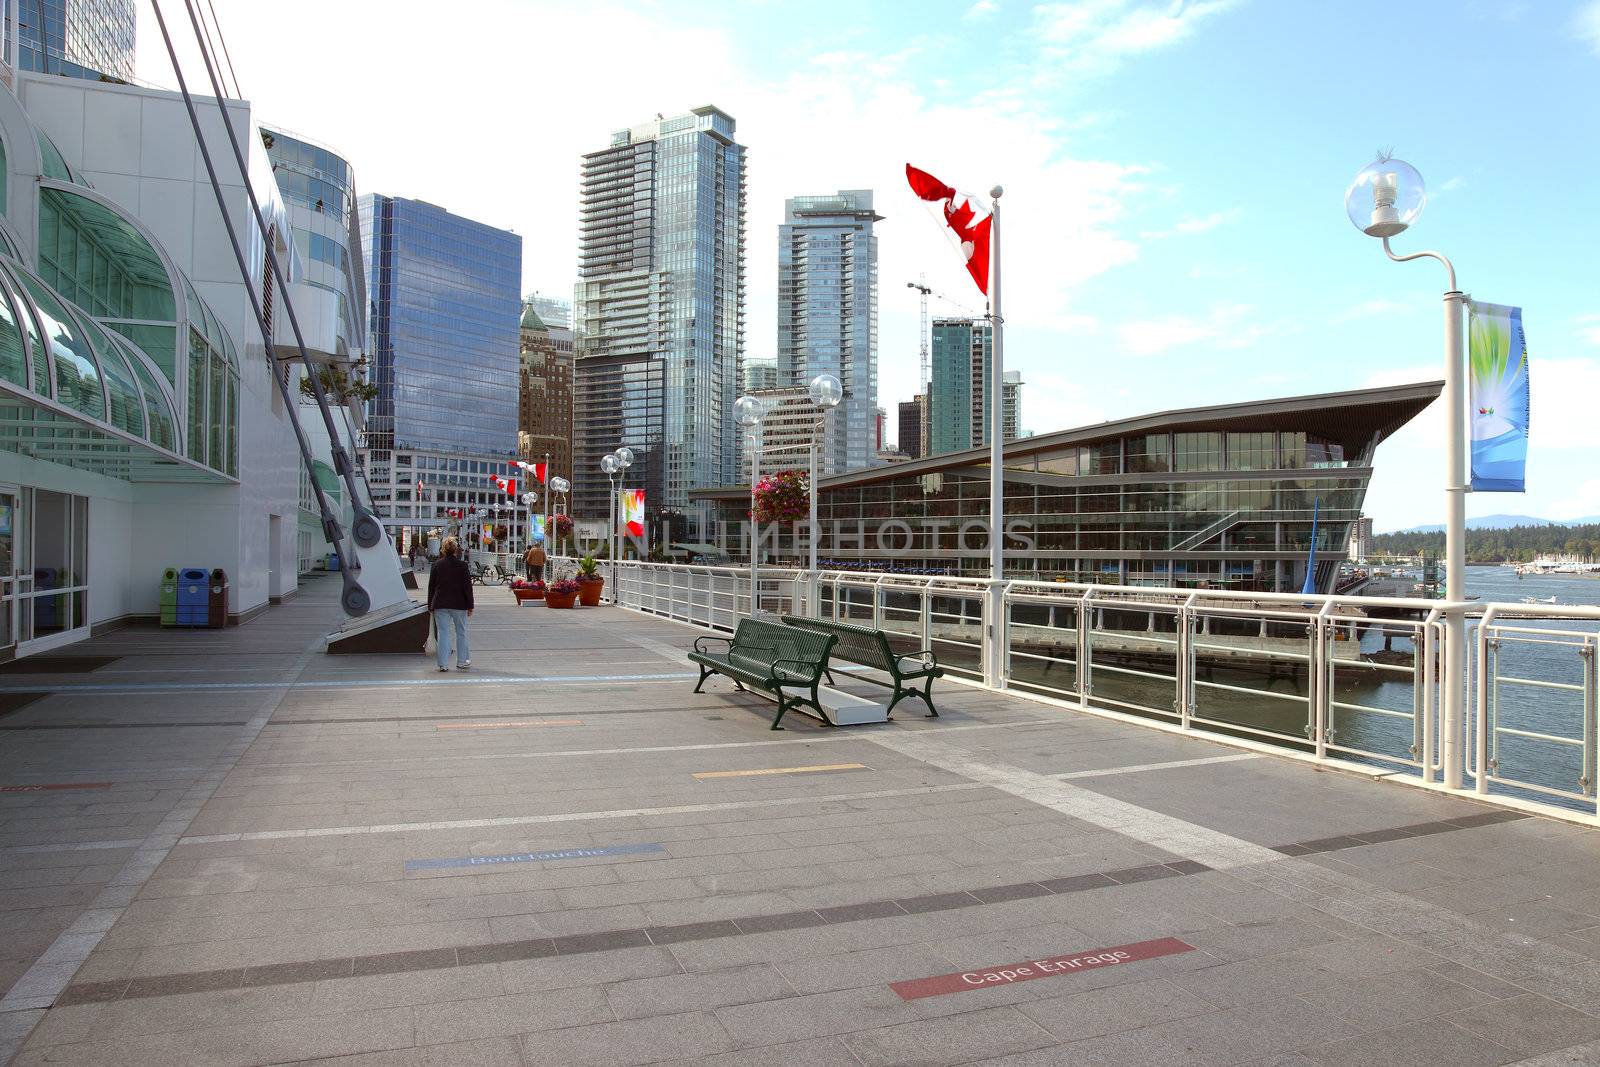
(994, 637)
(1455, 550)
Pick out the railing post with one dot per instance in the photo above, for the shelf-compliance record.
(1425, 707)
(1590, 711)
(877, 603)
(1184, 662)
(993, 638)
(1085, 647)
(1005, 635)
(1322, 681)
(1487, 654)
(927, 613)
(1453, 695)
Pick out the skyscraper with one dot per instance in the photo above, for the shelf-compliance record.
(956, 414)
(911, 427)
(444, 305)
(545, 406)
(77, 38)
(760, 374)
(659, 316)
(828, 313)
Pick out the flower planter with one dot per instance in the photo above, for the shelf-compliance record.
(560, 600)
(524, 595)
(589, 591)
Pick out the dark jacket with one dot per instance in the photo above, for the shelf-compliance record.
(449, 585)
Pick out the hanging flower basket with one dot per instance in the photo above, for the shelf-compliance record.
(782, 497)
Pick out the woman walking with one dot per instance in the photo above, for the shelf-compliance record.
(450, 600)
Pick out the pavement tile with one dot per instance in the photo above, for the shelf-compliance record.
(866, 968)
(817, 1052)
(490, 1052)
(517, 1013)
(952, 1039)
(677, 994)
(1113, 1009)
(1428, 1041)
(1528, 1025)
(691, 1036)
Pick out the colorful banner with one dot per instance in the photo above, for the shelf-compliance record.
(633, 512)
(1497, 365)
(535, 529)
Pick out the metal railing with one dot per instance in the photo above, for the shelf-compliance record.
(1324, 678)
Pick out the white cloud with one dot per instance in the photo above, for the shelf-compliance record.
(1449, 185)
(1369, 309)
(981, 10)
(1227, 326)
(1088, 37)
(1195, 224)
(1586, 24)
(1589, 328)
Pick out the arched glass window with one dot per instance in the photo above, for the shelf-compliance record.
(3, 172)
(41, 363)
(54, 166)
(127, 407)
(199, 359)
(13, 349)
(77, 375)
(163, 424)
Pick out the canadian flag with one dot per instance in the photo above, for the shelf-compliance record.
(508, 486)
(539, 471)
(967, 218)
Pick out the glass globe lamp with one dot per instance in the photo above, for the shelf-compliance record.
(609, 464)
(1385, 198)
(625, 457)
(826, 392)
(748, 411)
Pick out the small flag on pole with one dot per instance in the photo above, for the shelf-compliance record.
(968, 219)
(539, 471)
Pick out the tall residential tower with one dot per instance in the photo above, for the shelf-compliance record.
(659, 316)
(828, 313)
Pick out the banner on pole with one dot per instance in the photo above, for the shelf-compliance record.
(536, 529)
(1497, 362)
(633, 512)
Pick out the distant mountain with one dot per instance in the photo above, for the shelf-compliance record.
(1500, 522)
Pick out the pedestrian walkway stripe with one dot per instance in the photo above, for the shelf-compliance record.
(53, 785)
(533, 857)
(1139, 768)
(359, 683)
(818, 769)
(1048, 967)
(505, 725)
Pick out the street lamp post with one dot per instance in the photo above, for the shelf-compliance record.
(624, 456)
(610, 465)
(558, 487)
(1383, 201)
(826, 392)
(749, 412)
(531, 498)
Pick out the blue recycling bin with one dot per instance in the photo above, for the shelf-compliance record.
(333, 561)
(194, 596)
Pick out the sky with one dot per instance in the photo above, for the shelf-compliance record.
(1173, 224)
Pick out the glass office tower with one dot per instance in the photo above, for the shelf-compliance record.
(828, 313)
(445, 315)
(77, 38)
(443, 336)
(659, 312)
(958, 417)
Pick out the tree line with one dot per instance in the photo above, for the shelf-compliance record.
(1520, 544)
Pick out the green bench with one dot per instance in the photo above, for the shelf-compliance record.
(870, 648)
(785, 661)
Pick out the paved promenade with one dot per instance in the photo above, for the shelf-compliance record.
(227, 848)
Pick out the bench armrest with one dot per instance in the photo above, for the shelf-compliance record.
(697, 642)
(812, 667)
(927, 655)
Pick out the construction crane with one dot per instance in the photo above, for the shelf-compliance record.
(921, 286)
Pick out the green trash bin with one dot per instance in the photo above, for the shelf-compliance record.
(169, 597)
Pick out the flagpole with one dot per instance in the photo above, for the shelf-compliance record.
(992, 662)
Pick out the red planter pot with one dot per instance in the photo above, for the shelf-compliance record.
(589, 591)
(524, 595)
(560, 600)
